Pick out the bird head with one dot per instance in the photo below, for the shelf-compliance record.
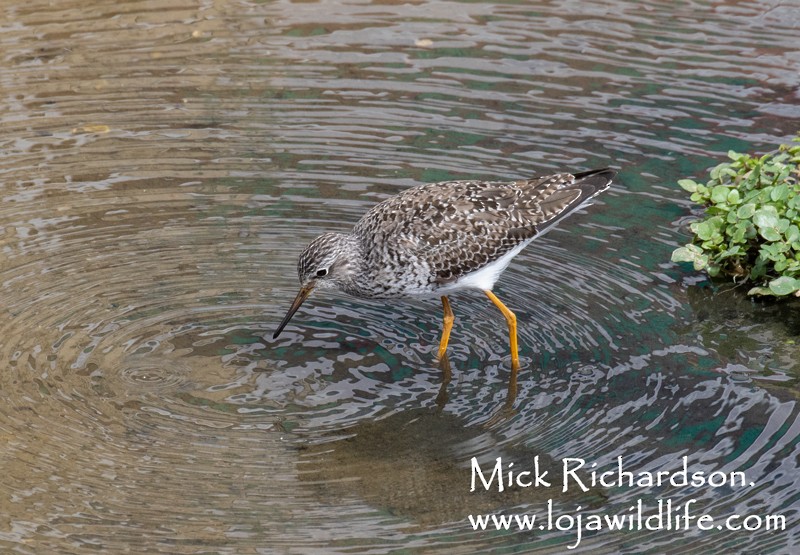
(326, 263)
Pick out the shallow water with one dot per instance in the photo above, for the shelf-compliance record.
(163, 163)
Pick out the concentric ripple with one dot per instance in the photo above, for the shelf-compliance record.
(163, 164)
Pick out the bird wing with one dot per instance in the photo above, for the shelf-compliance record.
(458, 227)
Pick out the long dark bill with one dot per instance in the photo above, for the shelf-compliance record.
(305, 291)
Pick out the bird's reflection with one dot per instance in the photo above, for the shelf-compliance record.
(417, 464)
(447, 375)
(503, 412)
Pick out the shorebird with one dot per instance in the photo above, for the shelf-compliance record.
(439, 238)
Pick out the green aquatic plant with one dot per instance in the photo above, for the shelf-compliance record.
(751, 227)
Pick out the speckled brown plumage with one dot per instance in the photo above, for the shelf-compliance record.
(438, 238)
(430, 236)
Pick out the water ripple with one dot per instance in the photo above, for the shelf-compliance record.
(161, 169)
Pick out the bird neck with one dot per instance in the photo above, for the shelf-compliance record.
(351, 265)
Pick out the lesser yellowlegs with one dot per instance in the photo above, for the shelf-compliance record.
(440, 238)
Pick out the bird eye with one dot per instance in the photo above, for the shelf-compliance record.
(322, 272)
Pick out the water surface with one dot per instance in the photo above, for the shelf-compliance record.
(163, 163)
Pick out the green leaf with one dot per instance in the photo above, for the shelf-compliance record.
(760, 291)
(719, 194)
(690, 253)
(766, 216)
(751, 179)
(733, 251)
(770, 233)
(717, 170)
(746, 211)
(686, 253)
(780, 193)
(738, 232)
(784, 285)
(772, 251)
(759, 268)
(752, 196)
(708, 230)
(752, 220)
(733, 197)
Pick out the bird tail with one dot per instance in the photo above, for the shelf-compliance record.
(597, 180)
(589, 184)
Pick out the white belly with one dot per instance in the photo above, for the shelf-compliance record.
(485, 278)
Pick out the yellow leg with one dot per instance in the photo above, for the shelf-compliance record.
(449, 318)
(512, 328)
